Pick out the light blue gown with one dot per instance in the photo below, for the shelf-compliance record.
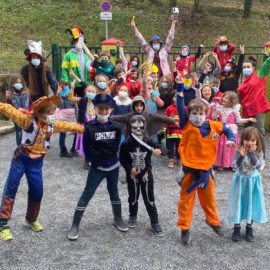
(246, 200)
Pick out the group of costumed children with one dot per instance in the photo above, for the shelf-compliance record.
(200, 132)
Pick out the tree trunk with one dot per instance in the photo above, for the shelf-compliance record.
(196, 6)
(247, 8)
(173, 3)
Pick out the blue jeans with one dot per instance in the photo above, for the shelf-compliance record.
(18, 131)
(94, 179)
(32, 168)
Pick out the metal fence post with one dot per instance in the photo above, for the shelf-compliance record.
(56, 65)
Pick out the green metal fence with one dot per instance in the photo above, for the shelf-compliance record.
(57, 53)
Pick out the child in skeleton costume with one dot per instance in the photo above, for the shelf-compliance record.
(38, 127)
(135, 156)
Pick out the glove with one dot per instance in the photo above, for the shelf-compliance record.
(179, 87)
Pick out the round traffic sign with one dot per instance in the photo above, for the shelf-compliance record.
(106, 6)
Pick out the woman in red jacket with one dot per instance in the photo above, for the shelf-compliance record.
(253, 93)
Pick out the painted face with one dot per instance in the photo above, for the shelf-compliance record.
(206, 93)
(137, 128)
(187, 83)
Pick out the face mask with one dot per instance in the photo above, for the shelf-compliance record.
(18, 86)
(247, 71)
(197, 120)
(104, 62)
(79, 44)
(227, 69)
(102, 85)
(184, 54)
(35, 62)
(134, 63)
(223, 48)
(215, 89)
(156, 47)
(165, 85)
(102, 117)
(65, 91)
(91, 95)
(50, 118)
(123, 94)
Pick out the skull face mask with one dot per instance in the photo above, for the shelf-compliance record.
(138, 126)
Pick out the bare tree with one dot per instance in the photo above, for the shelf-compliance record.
(247, 8)
(196, 6)
(173, 3)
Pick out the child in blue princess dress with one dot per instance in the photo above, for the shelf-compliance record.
(246, 199)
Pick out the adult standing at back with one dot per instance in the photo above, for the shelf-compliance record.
(37, 75)
(76, 60)
(157, 54)
(253, 94)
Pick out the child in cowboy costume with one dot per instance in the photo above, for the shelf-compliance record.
(38, 127)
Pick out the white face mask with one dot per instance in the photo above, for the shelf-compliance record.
(197, 120)
(123, 94)
(79, 44)
(102, 117)
(50, 118)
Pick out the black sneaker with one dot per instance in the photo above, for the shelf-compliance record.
(74, 153)
(185, 237)
(216, 229)
(157, 229)
(86, 166)
(132, 222)
(66, 154)
(236, 233)
(249, 234)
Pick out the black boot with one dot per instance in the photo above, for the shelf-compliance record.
(132, 221)
(73, 231)
(249, 233)
(236, 233)
(118, 220)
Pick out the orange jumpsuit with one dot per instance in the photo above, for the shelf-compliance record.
(199, 153)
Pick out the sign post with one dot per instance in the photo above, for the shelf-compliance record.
(106, 15)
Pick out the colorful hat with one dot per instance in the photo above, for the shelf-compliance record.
(155, 38)
(104, 100)
(75, 32)
(44, 102)
(35, 48)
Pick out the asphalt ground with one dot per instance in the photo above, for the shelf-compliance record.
(100, 245)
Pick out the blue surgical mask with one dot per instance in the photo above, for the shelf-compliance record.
(102, 85)
(134, 63)
(65, 91)
(223, 48)
(18, 86)
(36, 62)
(156, 47)
(227, 69)
(197, 120)
(165, 85)
(215, 89)
(247, 71)
(91, 95)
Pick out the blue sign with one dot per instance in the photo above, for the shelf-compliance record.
(106, 6)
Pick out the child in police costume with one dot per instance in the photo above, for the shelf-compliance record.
(198, 151)
(38, 127)
(101, 142)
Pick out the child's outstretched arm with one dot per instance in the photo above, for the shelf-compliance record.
(21, 119)
(181, 105)
(230, 136)
(60, 126)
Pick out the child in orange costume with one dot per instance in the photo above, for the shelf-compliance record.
(198, 150)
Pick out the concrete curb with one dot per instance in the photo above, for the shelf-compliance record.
(6, 127)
